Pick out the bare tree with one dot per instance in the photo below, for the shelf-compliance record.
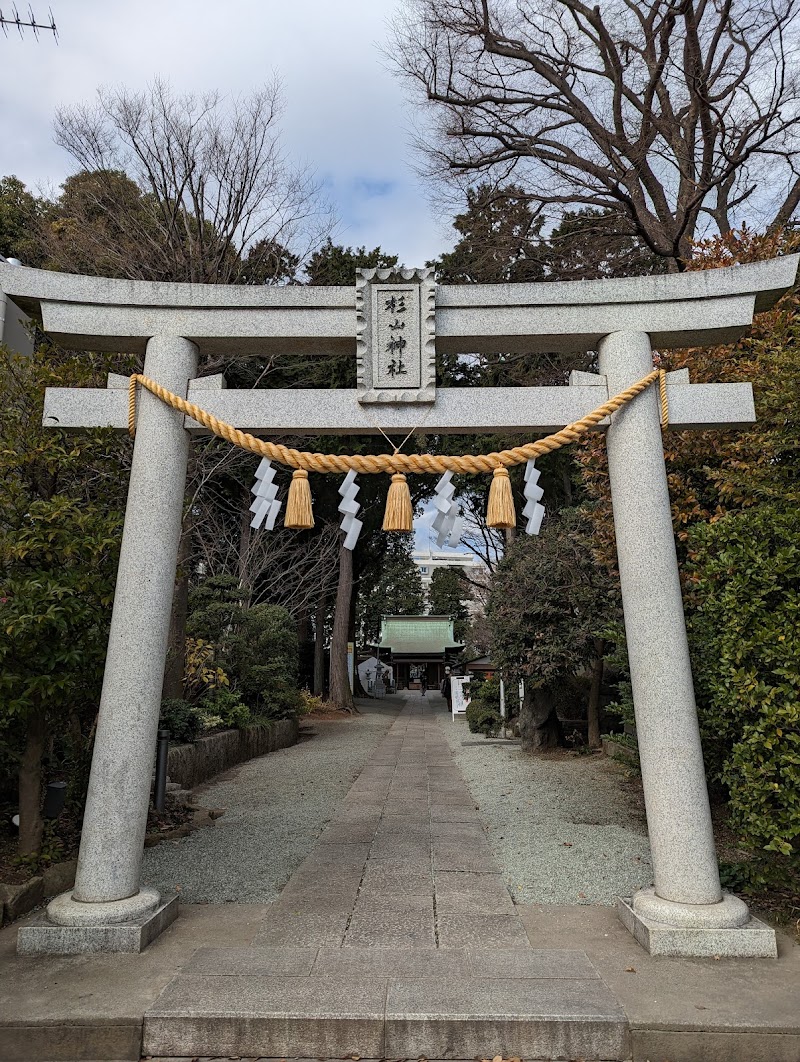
(290, 569)
(220, 202)
(672, 115)
(341, 693)
(485, 542)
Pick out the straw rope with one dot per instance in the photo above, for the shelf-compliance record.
(397, 462)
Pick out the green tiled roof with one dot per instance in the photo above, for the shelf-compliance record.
(418, 634)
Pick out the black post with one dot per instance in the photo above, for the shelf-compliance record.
(54, 799)
(162, 754)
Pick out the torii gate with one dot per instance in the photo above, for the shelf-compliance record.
(171, 324)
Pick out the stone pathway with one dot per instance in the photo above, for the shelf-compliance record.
(405, 860)
(395, 938)
(276, 807)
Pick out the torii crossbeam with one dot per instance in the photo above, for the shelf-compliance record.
(686, 911)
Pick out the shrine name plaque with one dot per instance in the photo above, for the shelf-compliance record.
(395, 336)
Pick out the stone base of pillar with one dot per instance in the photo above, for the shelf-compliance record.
(65, 910)
(43, 936)
(724, 930)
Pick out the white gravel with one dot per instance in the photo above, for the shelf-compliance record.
(276, 806)
(564, 828)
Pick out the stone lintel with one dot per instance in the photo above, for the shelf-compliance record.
(755, 940)
(314, 412)
(573, 326)
(309, 330)
(766, 280)
(203, 383)
(687, 309)
(322, 331)
(43, 937)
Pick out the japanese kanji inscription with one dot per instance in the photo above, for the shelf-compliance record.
(395, 335)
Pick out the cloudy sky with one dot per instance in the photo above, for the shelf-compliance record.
(345, 114)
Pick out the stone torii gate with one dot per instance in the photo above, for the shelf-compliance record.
(685, 912)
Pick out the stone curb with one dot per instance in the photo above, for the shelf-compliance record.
(617, 750)
(18, 900)
(190, 765)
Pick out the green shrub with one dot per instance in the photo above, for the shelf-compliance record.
(183, 720)
(745, 638)
(266, 662)
(257, 647)
(309, 702)
(483, 710)
(226, 706)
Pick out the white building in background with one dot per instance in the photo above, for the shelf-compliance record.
(428, 560)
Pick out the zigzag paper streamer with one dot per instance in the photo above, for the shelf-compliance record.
(447, 523)
(533, 511)
(349, 507)
(265, 507)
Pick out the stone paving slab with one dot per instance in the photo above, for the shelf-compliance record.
(390, 880)
(515, 963)
(411, 930)
(304, 929)
(491, 930)
(568, 1019)
(392, 963)
(490, 903)
(348, 833)
(454, 813)
(341, 855)
(253, 962)
(267, 1015)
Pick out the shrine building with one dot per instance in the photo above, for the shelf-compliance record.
(417, 646)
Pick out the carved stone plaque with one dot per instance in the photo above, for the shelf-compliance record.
(395, 336)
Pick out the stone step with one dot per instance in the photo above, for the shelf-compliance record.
(387, 1003)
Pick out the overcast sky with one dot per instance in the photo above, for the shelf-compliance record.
(345, 113)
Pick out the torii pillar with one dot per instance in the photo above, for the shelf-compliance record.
(685, 912)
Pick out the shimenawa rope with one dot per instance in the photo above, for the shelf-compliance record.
(399, 510)
(396, 462)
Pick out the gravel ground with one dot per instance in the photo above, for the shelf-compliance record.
(276, 806)
(564, 828)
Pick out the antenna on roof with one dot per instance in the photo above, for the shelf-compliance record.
(30, 23)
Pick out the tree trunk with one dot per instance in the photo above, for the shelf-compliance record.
(243, 560)
(31, 823)
(593, 707)
(176, 648)
(566, 483)
(539, 726)
(306, 649)
(341, 694)
(319, 646)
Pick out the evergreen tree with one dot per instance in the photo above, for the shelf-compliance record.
(19, 222)
(447, 596)
(334, 264)
(594, 244)
(397, 590)
(549, 602)
(498, 240)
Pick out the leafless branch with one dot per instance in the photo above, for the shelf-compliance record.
(666, 112)
(219, 200)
